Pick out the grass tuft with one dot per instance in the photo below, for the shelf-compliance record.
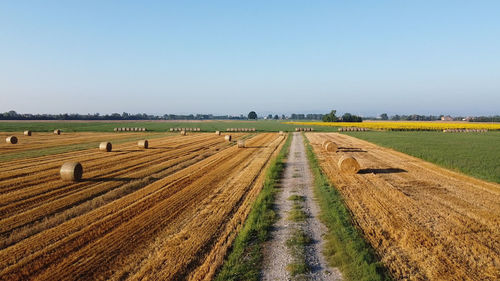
(297, 198)
(297, 214)
(297, 244)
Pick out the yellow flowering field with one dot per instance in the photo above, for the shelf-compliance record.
(403, 126)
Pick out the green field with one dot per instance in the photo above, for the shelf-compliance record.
(474, 154)
(155, 126)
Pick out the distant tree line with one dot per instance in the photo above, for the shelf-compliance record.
(413, 117)
(12, 115)
(495, 118)
(306, 116)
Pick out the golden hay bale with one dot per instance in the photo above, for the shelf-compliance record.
(11, 140)
(27, 133)
(71, 171)
(331, 146)
(183, 133)
(143, 144)
(241, 144)
(105, 146)
(227, 137)
(171, 129)
(323, 144)
(217, 133)
(311, 129)
(348, 164)
(57, 132)
(281, 133)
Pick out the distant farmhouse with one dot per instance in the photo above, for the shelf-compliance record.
(446, 118)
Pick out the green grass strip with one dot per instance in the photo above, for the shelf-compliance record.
(345, 246)
(244, 261)
(474, 154)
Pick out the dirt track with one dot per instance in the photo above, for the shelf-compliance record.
(176, 226)
(425, 222)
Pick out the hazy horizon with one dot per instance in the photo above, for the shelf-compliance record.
(224, 57)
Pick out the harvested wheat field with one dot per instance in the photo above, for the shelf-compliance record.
(37, 142)
(425, 222)
(164, 213)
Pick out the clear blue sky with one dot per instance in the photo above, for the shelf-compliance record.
(230, 57)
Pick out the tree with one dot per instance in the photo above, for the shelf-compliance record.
(330, 117)
(252, 115)
(348, 117)
(276, 117)
(384, 116)
(270, 116)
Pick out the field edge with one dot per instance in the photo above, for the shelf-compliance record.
(244, 259)
(345, 246)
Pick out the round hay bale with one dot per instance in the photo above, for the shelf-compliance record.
(227, 138)
(217, 133)
(348, 164)
(323, 144)
(105, 146)
(281, 133)
(57, 132)
(27, 133)
(241, 144)
(11, 139)
(143, 144)
(331, 146)
(183, 133)
(171, 129)
(71, 171)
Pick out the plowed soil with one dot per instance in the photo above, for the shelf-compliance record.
(178, 209)
(425, 222)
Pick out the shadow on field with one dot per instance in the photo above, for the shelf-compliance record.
(382, 171)
(255, 146)
(351, 149)
(109, 179)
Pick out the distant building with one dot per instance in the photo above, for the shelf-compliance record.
(446, 118)
(468, 118)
